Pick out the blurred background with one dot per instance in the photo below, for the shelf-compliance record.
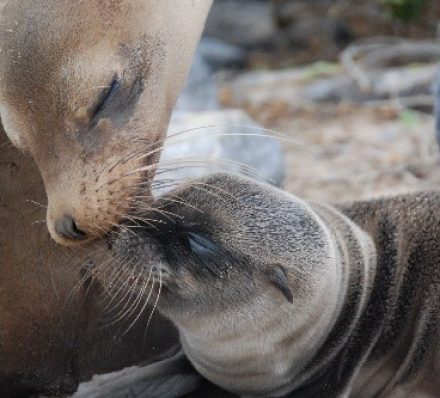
(346, 86)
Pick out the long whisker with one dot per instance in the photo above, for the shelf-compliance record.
(137, 302)
(87, 274)
(116, 277)
(269, 134)
(122, 227)
(277, 137)
(126, 312)
(155, 303)
(151, 145)
(129, 279)
(164, 167)
(142, 309)
(77, 287)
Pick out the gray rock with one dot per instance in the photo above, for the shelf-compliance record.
(220, 55)
(213, 139)
(300, 87)
(245, 23)
(200, 91)
(223, 140)
(324, 27)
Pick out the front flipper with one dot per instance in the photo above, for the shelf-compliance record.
(170, 377)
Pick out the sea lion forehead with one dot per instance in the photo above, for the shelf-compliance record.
(40, 36)
(238, 210)
(66, 15)
(60, 56)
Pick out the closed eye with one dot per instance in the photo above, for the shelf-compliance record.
(208, 254)
(105, 97)
(201, 246)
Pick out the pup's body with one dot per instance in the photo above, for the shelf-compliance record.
(274, 296)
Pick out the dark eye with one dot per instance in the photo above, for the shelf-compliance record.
(208, 254)
(201, 246)
(105, 97)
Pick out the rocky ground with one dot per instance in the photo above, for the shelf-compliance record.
(330, 150)
(353, 152)
(357, 127)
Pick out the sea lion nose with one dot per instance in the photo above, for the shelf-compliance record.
(67, 228)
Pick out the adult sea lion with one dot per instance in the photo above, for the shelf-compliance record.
(274, 296)
(87, 89)
(81, 84)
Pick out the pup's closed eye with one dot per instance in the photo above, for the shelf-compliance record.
(208, 254)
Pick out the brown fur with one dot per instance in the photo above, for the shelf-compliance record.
(52, 339)
(56, 58)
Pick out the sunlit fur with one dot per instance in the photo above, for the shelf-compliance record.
(57, 57)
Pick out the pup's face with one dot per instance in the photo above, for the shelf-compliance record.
(87, 88)
(217, 244)
(183, 253)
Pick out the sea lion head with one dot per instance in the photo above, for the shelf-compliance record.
(232, 258)
(203, 238)
(87, 88)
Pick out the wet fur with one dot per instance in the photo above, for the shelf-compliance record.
(364, 279)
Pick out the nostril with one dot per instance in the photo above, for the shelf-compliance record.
(67, 228)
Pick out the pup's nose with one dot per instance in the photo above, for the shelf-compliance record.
(67, 229)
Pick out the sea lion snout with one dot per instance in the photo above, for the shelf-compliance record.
(135, 246)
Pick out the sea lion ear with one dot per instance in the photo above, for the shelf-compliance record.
(277, 275)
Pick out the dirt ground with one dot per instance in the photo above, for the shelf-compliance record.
(349, 152)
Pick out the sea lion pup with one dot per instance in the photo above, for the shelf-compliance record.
(87, 89)
(274, 296)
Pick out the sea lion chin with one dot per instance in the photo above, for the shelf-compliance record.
(87, 88)
(275, 296)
